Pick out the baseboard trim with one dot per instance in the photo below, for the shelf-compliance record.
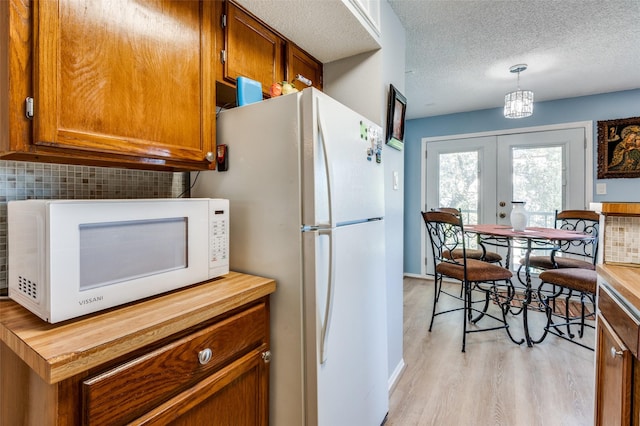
(395, 376)
(423, 277)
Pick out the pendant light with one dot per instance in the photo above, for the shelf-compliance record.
(518, 104)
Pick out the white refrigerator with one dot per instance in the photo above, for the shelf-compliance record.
(306, 190)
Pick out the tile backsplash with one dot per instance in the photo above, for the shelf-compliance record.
(23, 180)
(622, 239)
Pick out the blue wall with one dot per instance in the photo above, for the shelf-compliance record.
(607, 106)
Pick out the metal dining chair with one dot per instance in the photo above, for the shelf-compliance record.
(446, 234)
(571, 254)
(565, 283)
(480, 253)
(575, 254)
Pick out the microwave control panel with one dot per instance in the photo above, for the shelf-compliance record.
(219, 236)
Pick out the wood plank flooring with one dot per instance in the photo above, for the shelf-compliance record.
(495, 382)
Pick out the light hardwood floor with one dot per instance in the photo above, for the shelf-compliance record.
(495, 382)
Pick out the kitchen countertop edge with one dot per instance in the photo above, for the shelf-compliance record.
(59, 351)
(624, 279)
(616, 208)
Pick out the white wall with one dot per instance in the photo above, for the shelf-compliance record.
(362, 83)
(393, 60)
(353, 82)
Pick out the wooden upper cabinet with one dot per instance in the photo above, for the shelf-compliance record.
(251, 49)
(301, 63)
(125, 80)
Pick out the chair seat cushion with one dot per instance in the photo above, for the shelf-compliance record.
(475, 254)
(477, 270)
(544, 262)
(491, 256)
(457, 254)
(578, 279)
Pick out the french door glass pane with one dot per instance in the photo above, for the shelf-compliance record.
(459, 185)
(538, 179)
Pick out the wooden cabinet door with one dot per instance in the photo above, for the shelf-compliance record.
(127, 390)
(236, 395)
(300, 63)
(252, 49)
(613, 377)
(125, 77)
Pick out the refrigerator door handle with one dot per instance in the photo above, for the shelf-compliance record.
(326, 320)
(321, 135)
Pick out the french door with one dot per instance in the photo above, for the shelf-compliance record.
(482, 175)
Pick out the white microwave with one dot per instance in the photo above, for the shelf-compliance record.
(69, 258)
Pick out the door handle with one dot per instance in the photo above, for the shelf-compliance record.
(328, 308)
(322, 136)
(502, 204)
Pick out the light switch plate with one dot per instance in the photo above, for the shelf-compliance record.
(601, 188)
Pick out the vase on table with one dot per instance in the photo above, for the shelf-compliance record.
(518, 216)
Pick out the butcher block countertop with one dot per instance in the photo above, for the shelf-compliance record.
(617, 209)
(59, 351)
(624, 279)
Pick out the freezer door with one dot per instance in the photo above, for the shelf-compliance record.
(345, 325)
(342, 178)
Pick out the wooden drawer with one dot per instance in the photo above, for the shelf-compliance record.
(626, 326)
(129, 390)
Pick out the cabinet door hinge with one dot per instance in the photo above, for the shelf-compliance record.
(28, 108)
(223, 56)
(223, 21)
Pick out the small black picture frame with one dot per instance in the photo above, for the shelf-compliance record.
(396, 110)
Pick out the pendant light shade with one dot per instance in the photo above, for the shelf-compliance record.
(518, 104)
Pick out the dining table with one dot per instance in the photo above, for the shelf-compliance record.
(531, 238)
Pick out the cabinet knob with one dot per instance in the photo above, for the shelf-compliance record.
(210, 157)
(615, 353)
(204, 356)
(266, 357)
(502, 215)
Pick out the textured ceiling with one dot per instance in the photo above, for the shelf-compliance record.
(459, 52)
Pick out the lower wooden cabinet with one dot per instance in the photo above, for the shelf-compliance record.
(614, 364)
(235, 395)
(132, 388)
(617, 365)
(213, 371)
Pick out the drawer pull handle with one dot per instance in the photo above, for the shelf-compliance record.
(615, 353)
(204, 356)
(266, 357)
